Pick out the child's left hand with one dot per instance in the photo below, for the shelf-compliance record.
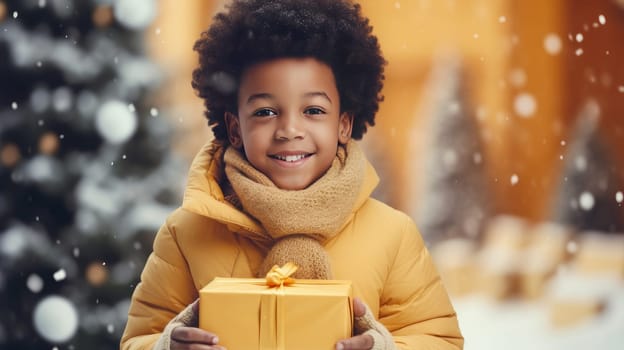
(370, 334)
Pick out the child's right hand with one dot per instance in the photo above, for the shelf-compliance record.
(182, 333)
(183, 338)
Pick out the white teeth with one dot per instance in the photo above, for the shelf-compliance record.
(291, 158)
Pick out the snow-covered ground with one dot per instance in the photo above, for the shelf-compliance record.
(487, 324)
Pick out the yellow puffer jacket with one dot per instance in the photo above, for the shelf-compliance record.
(379, 249)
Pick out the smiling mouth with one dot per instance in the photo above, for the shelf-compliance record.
(290, 158)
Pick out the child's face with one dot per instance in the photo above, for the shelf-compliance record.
(289, 120)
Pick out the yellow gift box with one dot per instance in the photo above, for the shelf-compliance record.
(277, 312)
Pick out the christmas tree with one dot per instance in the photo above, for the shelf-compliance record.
(587, 198)
(86, 171)
(454, 200)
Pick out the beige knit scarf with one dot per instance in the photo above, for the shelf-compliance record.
(299, 221)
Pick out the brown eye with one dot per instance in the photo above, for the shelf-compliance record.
(314, 111)
(264, 112)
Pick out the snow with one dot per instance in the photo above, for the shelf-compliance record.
(586, 201)
(55, 319)
(43, 170)
(579, 52)
(525, 105)
(522, 325)
(115, 122)
(87, 103)
(60, 275)
(34, 283)
(154, 112)
(135, 14)
(18, 238)
(514, 179)
(62, 99)
(552, 44)
(619, 196)
(13, 105)
(40, 99)
(502, 19)
(579, 37)
(602, 19)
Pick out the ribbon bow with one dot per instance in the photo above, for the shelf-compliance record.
(280, 276)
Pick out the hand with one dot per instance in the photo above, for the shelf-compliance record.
(183, 337)
(360, 341)
(184, 334)
(186, 338)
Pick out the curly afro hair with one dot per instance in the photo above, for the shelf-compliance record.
(252, 31)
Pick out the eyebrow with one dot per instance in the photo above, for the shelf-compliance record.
(268, 96)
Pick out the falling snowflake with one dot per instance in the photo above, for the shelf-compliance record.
(579, 37)
(525, 105)
(514, 179)
(619, 197)
(586, 201)
(116, 122)
(34, 283)
(48, 323)
(552, 44)
(60, 275)
(602, 19)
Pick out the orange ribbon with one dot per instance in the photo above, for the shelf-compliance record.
(280, 276)
(272, 311)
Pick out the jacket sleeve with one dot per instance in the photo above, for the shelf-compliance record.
(415, 306)
(166, 288)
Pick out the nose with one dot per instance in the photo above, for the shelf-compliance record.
(290, 126)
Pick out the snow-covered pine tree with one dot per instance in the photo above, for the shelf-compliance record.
(453, 200)
(86, 171)
(586, 198)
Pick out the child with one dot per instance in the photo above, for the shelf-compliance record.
(288, 85)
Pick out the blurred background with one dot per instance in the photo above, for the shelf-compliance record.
(501, 134)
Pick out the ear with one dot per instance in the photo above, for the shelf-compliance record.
(233, 130)
(345, 125)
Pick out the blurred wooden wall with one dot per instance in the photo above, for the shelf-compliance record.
(500, 41)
